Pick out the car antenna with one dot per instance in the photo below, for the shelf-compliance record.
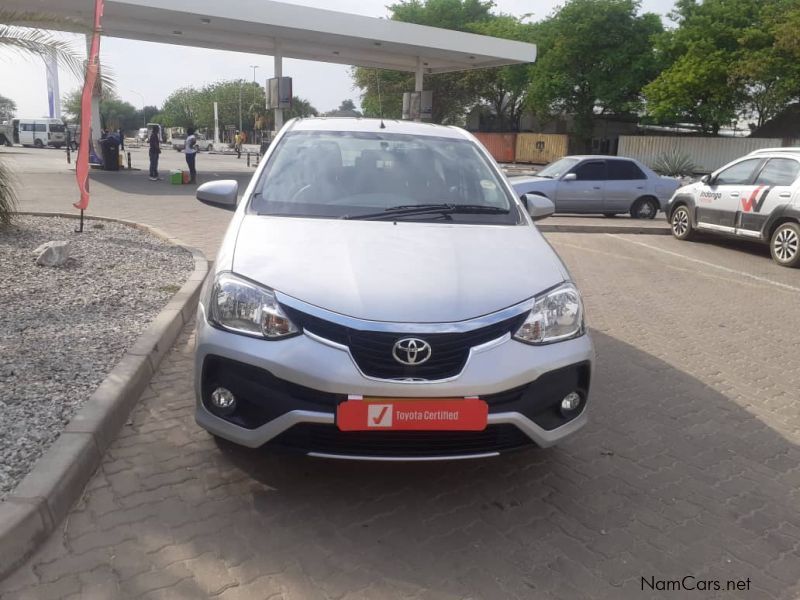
(380, 103)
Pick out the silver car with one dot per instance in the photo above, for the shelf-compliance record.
(381, 293)
(608, 185)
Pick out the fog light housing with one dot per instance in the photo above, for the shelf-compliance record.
(223, 401)
(570, 402)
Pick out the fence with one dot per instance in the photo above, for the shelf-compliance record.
(501, 146)
(708, 154)
(541, 148)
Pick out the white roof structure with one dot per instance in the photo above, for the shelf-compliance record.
(291, 31)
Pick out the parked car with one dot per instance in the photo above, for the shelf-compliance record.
(608, 185)
(203, 143)
(142, 134)
(755, 197)
(382, 293)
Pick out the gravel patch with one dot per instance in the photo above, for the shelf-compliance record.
(62, 329)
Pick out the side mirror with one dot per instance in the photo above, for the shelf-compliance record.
(569, 177)
(706, 179)
(223, 193)
(538, 206)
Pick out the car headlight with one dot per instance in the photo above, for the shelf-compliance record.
(555, 316)
(240, 306)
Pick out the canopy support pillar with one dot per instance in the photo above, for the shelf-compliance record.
(278, 59)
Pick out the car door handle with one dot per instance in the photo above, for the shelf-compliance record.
(785, 195)
(597, 187)
(734, 194)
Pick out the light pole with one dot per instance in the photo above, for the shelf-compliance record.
(144, 119)
(254, 67)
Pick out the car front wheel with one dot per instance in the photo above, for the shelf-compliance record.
(681, 224)
(785, 245)
(644, 208)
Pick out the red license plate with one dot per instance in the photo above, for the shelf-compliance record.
(412, 414)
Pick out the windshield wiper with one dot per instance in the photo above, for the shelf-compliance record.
(424, 209)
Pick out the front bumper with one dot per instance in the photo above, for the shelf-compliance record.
(288, 392)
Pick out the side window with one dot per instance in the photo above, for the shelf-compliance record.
(624, 170)
(779, 171)
(739, 174)
(40, 127)
(591, 171)
(25, 127)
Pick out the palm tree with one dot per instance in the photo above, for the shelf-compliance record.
(21, 37)
(8, 194)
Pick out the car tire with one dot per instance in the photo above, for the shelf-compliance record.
(644, 208)
(784, 245)
(680, 223)
(38, 143)
(610, 215)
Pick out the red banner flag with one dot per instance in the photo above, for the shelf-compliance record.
(92, 69)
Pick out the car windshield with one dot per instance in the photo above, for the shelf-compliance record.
(558, 168)
(57, 128)
(338, 174)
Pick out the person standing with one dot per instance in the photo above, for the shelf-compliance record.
(121, 133)
(190, 149)
(237, 144)
(155, 150)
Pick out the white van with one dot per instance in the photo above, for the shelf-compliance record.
(39, 132)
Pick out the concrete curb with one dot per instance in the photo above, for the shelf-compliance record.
(44, 497)
(577, 228)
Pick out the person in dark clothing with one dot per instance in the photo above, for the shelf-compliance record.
(121, 133)
(190, 150)
(155, 150)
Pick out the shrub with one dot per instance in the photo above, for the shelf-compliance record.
(674, 164)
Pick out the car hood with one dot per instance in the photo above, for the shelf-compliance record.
(404, 272)
(521, 184)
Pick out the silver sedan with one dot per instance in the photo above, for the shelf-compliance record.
(608, 185)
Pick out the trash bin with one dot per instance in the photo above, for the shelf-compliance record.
(110, 151)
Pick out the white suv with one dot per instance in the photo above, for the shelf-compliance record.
(756, 196)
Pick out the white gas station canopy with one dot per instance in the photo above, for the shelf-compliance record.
(277, 28)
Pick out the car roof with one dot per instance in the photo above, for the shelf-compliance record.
(778, 151)
(374, 125)
(600, 157)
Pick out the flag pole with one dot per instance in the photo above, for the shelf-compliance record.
(90, 81)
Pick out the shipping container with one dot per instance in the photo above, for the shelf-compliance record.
(500, 145)
(708, 154)
(541, 148)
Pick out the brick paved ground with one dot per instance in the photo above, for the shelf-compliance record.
(690, 466)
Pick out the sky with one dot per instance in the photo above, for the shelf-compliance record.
(146, 73)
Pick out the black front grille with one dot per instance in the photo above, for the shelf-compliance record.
(327, 439)
(372, 350)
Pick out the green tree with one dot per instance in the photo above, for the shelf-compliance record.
(180, 108)
(114, 112)
(595, 56)
(452, 92)
(8, 108)
(300, 108)
(727, 59)
(29, 42)
(191, 107)
(503, 90)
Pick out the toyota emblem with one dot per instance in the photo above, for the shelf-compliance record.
(411, 351)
